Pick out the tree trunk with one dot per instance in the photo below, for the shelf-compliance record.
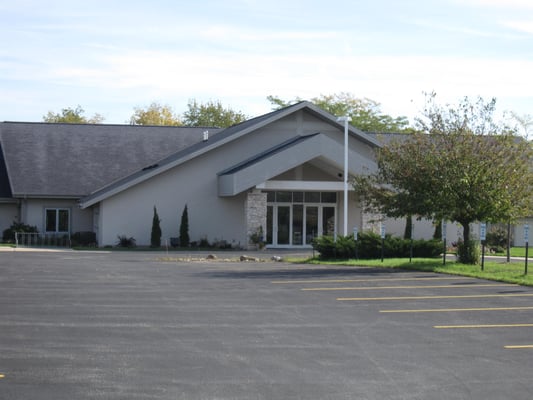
(467, 251)
(508, 241)
(466, 232)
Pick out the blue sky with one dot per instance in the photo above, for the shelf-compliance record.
(111, 56)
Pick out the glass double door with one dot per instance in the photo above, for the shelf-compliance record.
(298, 224)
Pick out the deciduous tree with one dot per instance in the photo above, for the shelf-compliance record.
(462, 167)
(155, 114)
(365, 113)
(212, 113)
(72, 116)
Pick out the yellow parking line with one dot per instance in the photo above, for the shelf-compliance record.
(524, 346)
(2, 376)
(367, 280)
(458, 309)
(482, 326)
(467, 296)
(408, 287)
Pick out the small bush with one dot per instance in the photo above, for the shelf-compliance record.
(468, 253)
(127, 242)
(87, 239)
(325, 245)
(328, 247)
(204, 243)
(9, 233)
(496, 239)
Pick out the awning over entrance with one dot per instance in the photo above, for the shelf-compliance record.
(258, 169)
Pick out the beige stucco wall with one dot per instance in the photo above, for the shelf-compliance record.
(130, 213)
(8, 214)
(195, 183)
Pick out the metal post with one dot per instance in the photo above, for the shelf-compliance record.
(355, 233)
(345, 119)
(526, 239)
(527, 248)
(443, 230)
(382, 241)
(483, 255)
(411, 244)
(483, 238)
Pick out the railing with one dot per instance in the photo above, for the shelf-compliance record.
(42, 239)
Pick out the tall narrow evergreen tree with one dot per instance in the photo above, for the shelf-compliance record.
(184, 228)
(155, 237)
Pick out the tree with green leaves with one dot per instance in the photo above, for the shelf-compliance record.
(211, 114)
(155, 236)
(184, 228)
(365, 114)
(155, 114)
(72, 116)
(462, 167)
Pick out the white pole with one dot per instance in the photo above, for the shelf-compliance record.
(345, 119)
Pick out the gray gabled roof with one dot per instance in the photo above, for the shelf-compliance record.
(227, 135)
(93, 162)
(73, 160)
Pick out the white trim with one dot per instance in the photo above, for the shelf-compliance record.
(309, 186)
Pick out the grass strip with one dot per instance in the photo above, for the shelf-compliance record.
(493, 270)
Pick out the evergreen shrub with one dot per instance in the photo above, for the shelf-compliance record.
(369, 247)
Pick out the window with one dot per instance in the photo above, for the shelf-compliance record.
(57, 220)
(284, 197)
(301, 197)
(329, 197)
(312, 197)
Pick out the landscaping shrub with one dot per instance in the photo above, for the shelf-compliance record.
(184, 228)
(124, 241)
(155, 235)
(325, 245)
(87, 239)
(427, 248)
(468, 253)
(9, 233)
(369, 247)
(496, 240)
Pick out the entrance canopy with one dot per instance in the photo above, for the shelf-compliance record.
(259, 169)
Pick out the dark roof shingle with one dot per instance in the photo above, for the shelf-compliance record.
(73, 160)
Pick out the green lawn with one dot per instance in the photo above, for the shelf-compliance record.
(497, 271)
(517, 252)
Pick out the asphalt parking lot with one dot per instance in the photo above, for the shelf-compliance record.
(81, 325)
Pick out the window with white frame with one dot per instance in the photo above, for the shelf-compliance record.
(57, 220)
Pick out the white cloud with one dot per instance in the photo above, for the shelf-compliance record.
(521, 26)
(523, 4)
(388, 79)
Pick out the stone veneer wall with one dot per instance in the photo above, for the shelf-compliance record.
(255, 214)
